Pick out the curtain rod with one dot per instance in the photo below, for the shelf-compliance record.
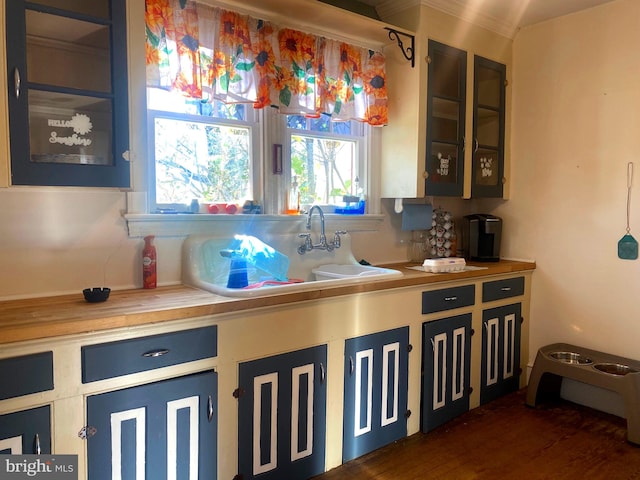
(284, 21)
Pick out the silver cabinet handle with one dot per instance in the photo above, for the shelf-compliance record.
(433, 345)
(158, 352)
(16, 81)
(37, 445)
(506, 289)
(322, 373)
(450, 299)
(475, 148)
(209, 409)
(350, 365)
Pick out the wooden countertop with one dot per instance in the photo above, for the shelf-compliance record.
(45, 317)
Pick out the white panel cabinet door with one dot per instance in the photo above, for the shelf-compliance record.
(375, 391)
(282, 415)
(166, 430)
(446, 364)
(500, 369)
(27, 432)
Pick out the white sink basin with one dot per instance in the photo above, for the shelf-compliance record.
(203, 267)
(352, 272)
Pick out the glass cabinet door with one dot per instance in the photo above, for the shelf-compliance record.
(446, 103)
(68, 92)
(488, 120)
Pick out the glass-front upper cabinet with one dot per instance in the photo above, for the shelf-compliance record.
(487, 176)
(67, 75)
(446, 105)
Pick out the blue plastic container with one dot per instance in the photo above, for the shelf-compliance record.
(352, 208)
(258, 254)
(238, 273)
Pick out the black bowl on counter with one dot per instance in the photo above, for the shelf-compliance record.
(96, 294)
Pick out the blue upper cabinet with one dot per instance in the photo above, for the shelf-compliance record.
(489, 86)
(68, 105)
(446, 108)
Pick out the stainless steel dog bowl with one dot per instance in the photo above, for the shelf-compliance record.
(571, 357)
(614, 368)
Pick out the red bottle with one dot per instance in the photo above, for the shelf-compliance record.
(149, 278)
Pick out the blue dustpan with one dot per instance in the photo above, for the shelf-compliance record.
(627, 245)
(628, 248)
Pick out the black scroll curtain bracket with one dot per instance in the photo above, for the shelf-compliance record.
(408, 51)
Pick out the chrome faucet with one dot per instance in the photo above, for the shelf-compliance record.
(308, 245)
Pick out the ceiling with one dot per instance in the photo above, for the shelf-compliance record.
(503, 16)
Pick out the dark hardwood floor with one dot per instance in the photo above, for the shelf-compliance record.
(505, 439)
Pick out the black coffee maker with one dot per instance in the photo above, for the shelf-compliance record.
(481, 234)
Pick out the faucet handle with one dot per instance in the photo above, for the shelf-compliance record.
(307, 246)
(336, 238)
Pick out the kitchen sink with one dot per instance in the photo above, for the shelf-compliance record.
(352, 272)
(204, 267)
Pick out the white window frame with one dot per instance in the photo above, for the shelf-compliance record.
(270, 188)
(255, 165)
(361, 153)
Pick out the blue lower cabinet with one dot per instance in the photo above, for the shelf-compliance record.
(282, 403)
(375, 391)
(166, 430)
(500, 366)
(26, 432)
(446, 370)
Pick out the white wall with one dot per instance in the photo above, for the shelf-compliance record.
(576, 124)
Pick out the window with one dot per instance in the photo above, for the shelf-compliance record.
(205, 150)
(327, 159)
(201, 150)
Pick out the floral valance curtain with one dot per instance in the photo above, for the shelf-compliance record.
(206, 52)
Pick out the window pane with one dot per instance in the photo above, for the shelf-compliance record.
(485, 166)
(489, 87)
(296, 121)
(321, 124)
(235, 111)
(325, 168)
(445, 120)
(488, 127)
(166, 101)
(201, 160)
(444, 162)
(446, 70)
(69, 128)
(59, 47)
(342, 128)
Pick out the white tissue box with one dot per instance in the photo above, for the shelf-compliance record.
(442, 265)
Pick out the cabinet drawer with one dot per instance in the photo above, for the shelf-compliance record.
(499, 289)
(107, 360)
(26, 374)
(448, 298)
